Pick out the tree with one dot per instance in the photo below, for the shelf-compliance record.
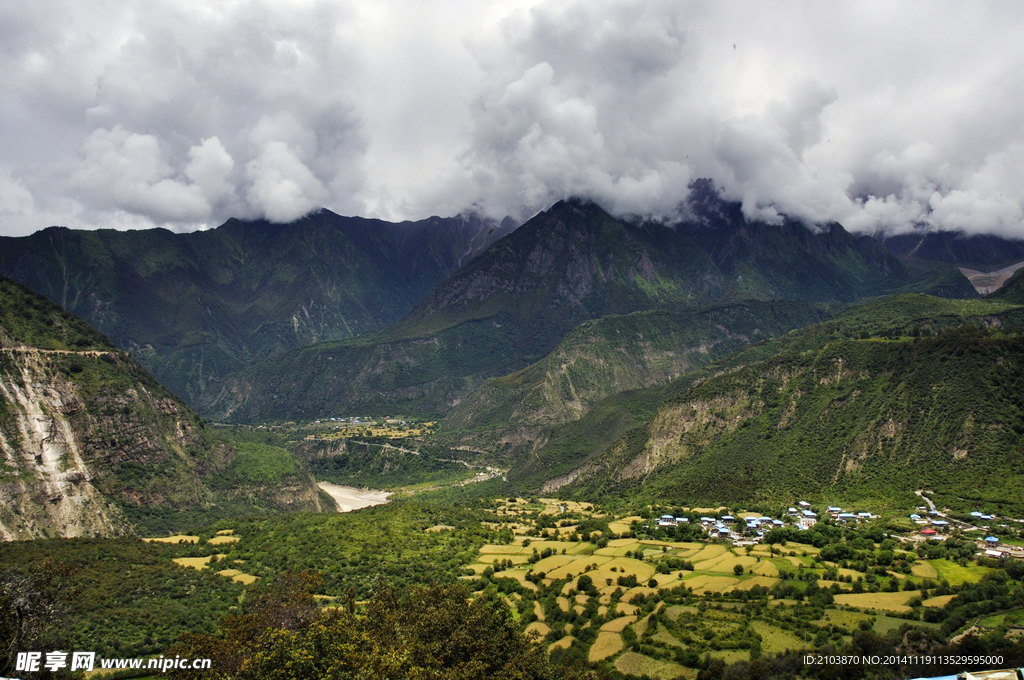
(738, 569)
(432, 633)
(32, 607)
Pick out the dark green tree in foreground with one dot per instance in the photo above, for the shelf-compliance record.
(432, 633)
(33, 604)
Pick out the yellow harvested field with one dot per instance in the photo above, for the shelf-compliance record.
(539, 610)
(763, 581)
(225, 532)
(582, 599)
(674, 582)
(606, 644)
(795, 561)
(640, 627)
(194, 562)
(519, 575)
(924, 570)
(638, 590)
(511, 549)
(623, 525)
(766, 568)
(602, 610)
(602, 572)
(938, 601)
(627, 565)
(538, 627)
(705, 583)
(618, 625)
(178, 538)
(800, 548)
(626, 609)
(515, 559)
(564, 643)
(728, 564)
(438, 528)
(217, 540)
(563, 603)
(708, 552)
(894, 602)
(237, 576)
(549, 565)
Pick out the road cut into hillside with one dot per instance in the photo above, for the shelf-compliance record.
(350, 498)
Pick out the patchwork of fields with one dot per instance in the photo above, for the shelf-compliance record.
(650, 606)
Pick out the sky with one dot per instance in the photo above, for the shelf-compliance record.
(882, 116)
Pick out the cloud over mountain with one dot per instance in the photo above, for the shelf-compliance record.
(881, 117)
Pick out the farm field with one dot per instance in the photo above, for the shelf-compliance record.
(609, 587)
(647, 602)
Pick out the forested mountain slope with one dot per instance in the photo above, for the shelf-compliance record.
(515, 302)
(93, 445)
(196, 307)
(891, 396)
(619, 353)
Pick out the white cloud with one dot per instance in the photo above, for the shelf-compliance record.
(881, 116)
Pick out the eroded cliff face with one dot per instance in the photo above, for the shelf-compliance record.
(47, 487)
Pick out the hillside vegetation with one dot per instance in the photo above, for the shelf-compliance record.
(873, 404)
(196, 307)
(620, 353)
(93, 445)
(513, 304)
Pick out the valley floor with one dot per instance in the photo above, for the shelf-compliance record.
(350, 498)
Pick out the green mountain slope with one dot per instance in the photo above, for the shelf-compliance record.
(619, 353)
(197, 307)
(91, 444)
(514, 303)
(1012, 291)
(891, 396)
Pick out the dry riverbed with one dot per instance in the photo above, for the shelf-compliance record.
(350, 498)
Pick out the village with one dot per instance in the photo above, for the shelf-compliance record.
(750, 528)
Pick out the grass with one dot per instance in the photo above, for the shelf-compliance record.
(632, 663)
(956, 575)
(924, 570)
(774, 640)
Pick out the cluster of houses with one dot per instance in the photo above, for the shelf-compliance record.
(727, 526)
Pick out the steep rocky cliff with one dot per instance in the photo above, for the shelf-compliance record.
(92, 445)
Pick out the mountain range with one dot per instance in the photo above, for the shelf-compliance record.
(586, 353)
(196, 307)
